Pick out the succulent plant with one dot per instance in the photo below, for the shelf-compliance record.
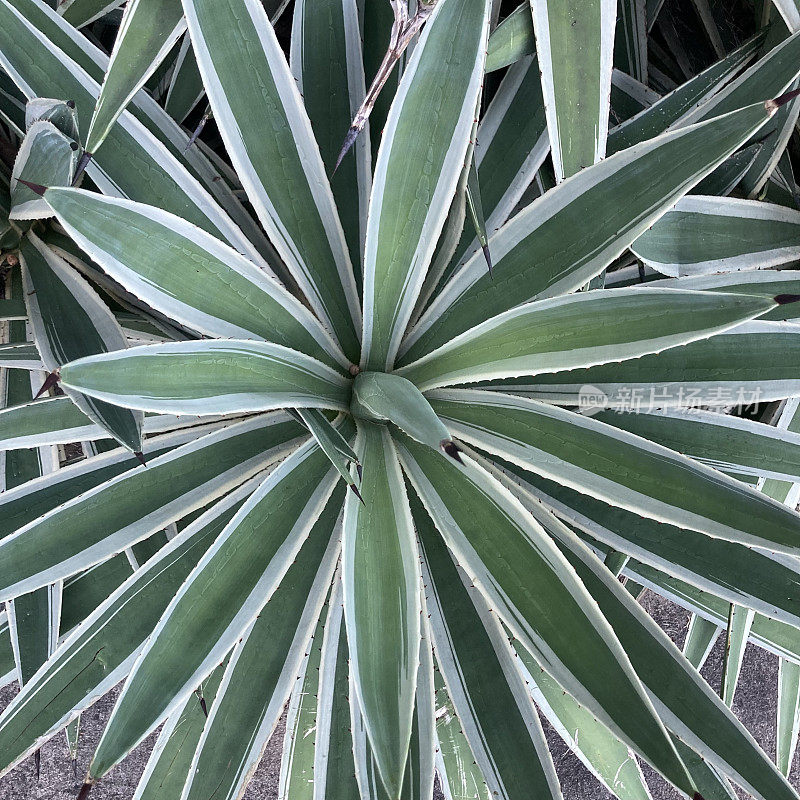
(387, 393)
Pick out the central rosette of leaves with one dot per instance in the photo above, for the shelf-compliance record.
(382, 397)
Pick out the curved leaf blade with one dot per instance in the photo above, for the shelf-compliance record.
(148, 30)
(136, 503)
(517, 567)
(415, 176)
(619, 468)
(380, 571)
(552, 335)
(209, 286)
(251, 91)
(225, 592)
(209, 377)
(547, 249)
(69, 321)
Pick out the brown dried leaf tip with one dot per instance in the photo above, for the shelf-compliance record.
(450, 448)
(49, 382)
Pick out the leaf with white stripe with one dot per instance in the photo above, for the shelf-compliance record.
(605, 756)
(57, 420)
(529, 585)
(209, 286)
(655, 119)
(74, 677)
(459, 776)
(134, 162)
(575, 45)
(148, 30)
(33, 618)
(512, 143)
(723, 441)
(762, 363)
(701, 637)
(327, 63)
(418, 781)
(252, 91)
(168, 148)
(170, 760)
(136, 503)
(296, 779)
(264, 668)
(631, 39)
(46, 157)
(209, 377)
(475, 659)
(186, 84)
(82, 12)
(770, 76)
(69, 320)
(619, 468)
(220, 599)
(380, 572)
(512, 39)
(334, 773)
(33, 499)
(770, 634)
(730, 571)
(547, 249)
(740, 621)
(415, 176)
(333, 444)
(720, 234)
(580, 330)
(727, 176)
(685, 702)
(20, 356)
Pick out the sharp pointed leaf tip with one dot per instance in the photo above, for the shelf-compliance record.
(140, 457)
(352, 135)
(204, 706)
(357, 493)
(34, 187)
(49, 382)
(37, 761)
(785, 299)
(450, 448)
(360, 471)
(488, 256)
(774, 104)
(82, 164)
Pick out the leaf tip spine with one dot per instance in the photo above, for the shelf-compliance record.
(349, 139)
(450, 448)
(81, 167)
(34, 187)
(49, 382)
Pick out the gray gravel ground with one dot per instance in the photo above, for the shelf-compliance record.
(754, 705)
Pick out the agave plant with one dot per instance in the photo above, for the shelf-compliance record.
(410, 493)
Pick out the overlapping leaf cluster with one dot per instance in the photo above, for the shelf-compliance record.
(387, 482)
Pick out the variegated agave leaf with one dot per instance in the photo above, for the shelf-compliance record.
(411, 498)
